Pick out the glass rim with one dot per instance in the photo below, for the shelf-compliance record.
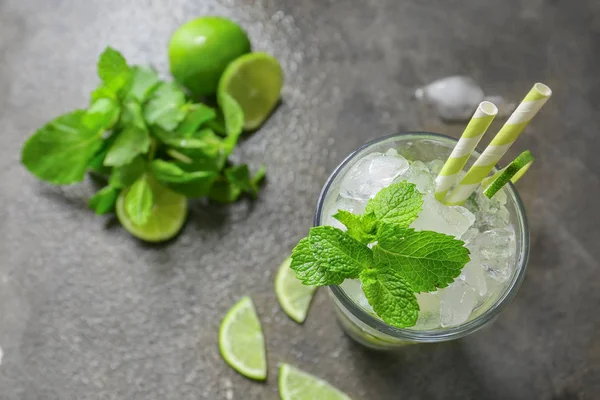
(441, 334)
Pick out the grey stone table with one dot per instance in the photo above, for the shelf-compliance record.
(87, 312)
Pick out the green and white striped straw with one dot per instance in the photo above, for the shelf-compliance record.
(531, 104)
(478, 125)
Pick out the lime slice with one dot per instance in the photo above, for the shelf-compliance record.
(254, 80)
(513, 172)
(241, 340)
(293, 296)
(166, 219)
(298, 385)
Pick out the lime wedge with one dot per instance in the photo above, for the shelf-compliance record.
(241, 340)
(166, 219)
(513, 172)
(254, 80)
(298, 385)
(293, 296)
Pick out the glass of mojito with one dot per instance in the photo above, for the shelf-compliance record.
(494, 230)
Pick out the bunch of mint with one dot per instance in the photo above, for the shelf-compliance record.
(399, 263)
(139, 131)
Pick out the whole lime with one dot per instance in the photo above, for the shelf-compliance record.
(200, 49)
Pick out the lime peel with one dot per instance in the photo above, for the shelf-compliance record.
(513, 172)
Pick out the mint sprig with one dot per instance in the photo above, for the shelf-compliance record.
(402, 262)
(139, 127)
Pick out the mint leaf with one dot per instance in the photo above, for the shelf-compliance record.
(237, 180)
(399, 203)
(104, 200)
(310, 270)
(258, 177)
(165, 107)
(133, 115)
(126, 175)
(342, 253)
(391, 296)
(143, 82)
(223, 191)
(103, 114)
(113, 70)
(218, 125)
(201, 144)
(139, 200)
(177, 178)
(103, 92)
(239, 175)
(60, 151)
(427, 260)
(128, 144)
(197, 115)
(356, 227)
(234, 121)
(96, 164)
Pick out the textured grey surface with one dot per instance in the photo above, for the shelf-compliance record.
(87, 312)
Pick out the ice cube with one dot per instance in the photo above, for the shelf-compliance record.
(470, 235)
(499, 270)
(429, 313)
(435, 216)
(353, 206)
(473, 275)
(496, 243)
(371, 174)
(455, 98)
(435, 167)
(353, 289)
(501, 196)
(456, 303)
(419, 174)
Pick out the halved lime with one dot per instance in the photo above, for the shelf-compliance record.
(254, 80)
(168, 214)
(293, 296)
(513, 172)
(241, 340)
(298, 385)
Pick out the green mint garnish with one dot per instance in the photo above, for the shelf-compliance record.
(399, 204)
(360, 227)
(329, 255)
(310, 269)
(139, 127)
(402, 262)
(427, 260)
(390, 295)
